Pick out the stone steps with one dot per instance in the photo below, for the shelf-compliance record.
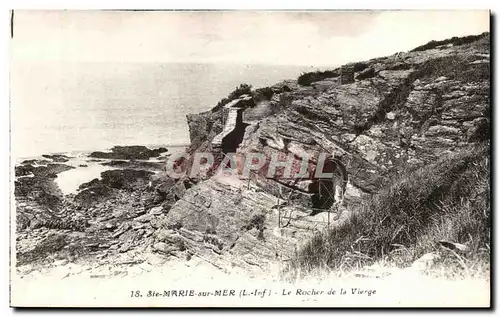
(228, 128)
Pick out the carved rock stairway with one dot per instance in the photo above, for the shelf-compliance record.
(228, 128)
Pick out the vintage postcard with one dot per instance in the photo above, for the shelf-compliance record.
(250, 158)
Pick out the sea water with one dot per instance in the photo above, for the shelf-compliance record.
(62, 106)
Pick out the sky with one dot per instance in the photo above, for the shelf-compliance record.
(312, 38)
(93, 79)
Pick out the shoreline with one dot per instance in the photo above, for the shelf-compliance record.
(79, 153)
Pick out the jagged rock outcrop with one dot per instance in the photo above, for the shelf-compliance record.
(38, 196)
(232, 226)
(109, 216)
(393, 114)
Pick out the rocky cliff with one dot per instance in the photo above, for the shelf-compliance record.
(379, 118)
(400, 112)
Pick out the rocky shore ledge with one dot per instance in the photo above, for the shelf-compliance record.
(380, 118)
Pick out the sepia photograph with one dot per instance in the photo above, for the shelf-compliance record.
(237, 158)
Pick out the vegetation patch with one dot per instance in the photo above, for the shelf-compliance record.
(242, 89)
(454, 41)
(306, 79)
(262, 94)
(445, 201)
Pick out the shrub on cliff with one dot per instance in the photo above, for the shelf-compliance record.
(454, 40)
(265, 93)
(242, 89)
(305, 79)
(360, 66)
(448, 200)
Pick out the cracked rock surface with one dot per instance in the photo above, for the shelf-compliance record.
(401, 112)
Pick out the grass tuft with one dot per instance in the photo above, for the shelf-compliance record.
(445, 201)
